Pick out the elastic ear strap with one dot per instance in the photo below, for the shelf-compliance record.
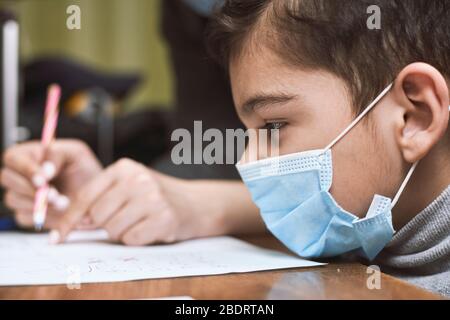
(355, 122)
(404, 183)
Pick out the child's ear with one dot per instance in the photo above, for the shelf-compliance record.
(422, 93)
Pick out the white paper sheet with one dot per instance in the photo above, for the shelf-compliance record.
(28, 259)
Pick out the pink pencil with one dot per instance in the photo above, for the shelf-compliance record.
(48, 134)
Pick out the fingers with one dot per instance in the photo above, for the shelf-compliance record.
(18, 202)
(131, 214)
(109, 203)
(64, 152)
(86, 224)
(30, 161)
(143, 233)
(13, 181)
(23, 171)
(57, 156)
(105, 200)
(47, 172)
(57, 200)
(60, 202)
(24, 159)
(157, 228)
(24, 219)
(82, 203)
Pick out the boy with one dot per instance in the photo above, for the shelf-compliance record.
(309, 68)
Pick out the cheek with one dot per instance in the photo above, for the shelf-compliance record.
(361, 169)
(311, 131)
(390, 158)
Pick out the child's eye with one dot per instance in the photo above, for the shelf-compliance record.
(276, 125)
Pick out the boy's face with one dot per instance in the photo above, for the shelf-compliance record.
(313, 108)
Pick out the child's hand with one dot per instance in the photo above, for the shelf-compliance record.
(67, 166)
(137, 206)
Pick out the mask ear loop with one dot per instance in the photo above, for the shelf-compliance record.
(403, 185)
(358, 119)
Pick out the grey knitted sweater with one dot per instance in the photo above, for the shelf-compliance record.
(420, 251)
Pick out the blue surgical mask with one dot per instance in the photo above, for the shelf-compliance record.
(293, 195)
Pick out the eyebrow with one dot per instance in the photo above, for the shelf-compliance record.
(262, 100)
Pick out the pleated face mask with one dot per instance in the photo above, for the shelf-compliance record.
(293, 195)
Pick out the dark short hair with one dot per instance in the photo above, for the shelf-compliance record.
(333, 35)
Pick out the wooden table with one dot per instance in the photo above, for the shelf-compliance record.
(333, 281)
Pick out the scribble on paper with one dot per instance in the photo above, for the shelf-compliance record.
(28, 259)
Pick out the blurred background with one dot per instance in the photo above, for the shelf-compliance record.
(115, 35)
(133, 72)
